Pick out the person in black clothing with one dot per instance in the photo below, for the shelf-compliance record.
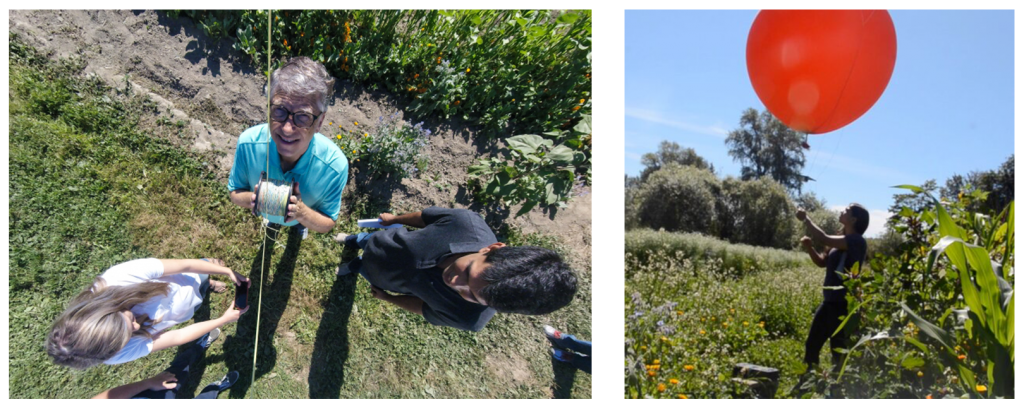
(454, 272)
(846, 249)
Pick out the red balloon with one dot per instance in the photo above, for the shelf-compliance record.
(819, 70)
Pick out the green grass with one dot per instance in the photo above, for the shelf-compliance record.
(738, 258)
(90, 187)
(711, 316)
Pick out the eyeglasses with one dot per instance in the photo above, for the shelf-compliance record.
(299, 119)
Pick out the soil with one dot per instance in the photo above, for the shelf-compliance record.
(215, 92)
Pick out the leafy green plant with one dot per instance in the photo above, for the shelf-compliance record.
(215, 23)
(392, 148)
(508, 71)
(542, 171)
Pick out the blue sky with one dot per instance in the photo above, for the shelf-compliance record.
(947, 109)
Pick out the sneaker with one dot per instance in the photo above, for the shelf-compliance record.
(552, 333)
(226, 382)
(561, 355)
(340, 238)
(208, 339)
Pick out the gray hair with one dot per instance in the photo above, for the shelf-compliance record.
(304, 78)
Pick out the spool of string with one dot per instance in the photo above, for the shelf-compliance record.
(272, 197)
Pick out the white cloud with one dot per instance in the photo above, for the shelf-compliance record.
(829, 160)
(651, 116)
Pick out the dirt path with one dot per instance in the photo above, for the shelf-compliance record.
(216, 93)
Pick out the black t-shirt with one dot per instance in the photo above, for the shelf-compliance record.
(856, 251)
(406, 262)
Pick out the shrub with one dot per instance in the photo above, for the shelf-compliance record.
(679, 198)
(392, 148)
(763, 213)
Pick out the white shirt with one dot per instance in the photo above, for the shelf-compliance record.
(176, 307)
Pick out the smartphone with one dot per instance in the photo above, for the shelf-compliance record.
(242, 293)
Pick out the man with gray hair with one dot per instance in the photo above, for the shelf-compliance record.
(290, 148)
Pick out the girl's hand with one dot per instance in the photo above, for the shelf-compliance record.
(805, 241)
(801, 214)
(387, 218)
(162, 381)
(231, 314)
(231, 273)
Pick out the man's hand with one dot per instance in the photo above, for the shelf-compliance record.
(162, 381)
(295, 206)
(379, 293)
(801, 214)
(387, 218)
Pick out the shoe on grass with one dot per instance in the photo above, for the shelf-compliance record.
(552, 333)
(226, 382)
(561, 355)
(208, 339)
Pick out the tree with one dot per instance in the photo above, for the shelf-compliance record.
(809, 202)
(679, 198)
(767, 147)
(997, 183)
(762, 214)
(671, 153)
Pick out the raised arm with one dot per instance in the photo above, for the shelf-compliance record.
(214, 267)
(816, 233)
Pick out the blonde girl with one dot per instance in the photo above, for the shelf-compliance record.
(126, 313)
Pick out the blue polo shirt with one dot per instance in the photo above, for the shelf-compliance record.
(322, 171)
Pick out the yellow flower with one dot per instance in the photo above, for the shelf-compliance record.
(683, 396)
(673, 381)
(920, 374)
(664, 339)
(656, 362)
(702, 332)
(732, 311)
(582, 100)
(513, 100)
(366, 134)
(355, 122)
(651, 373)
(688, 367)
(339, 136)
(467, 70)
(928, 397)
(761, 324)
(745, 323)
(643, 348)
(679, 313)
(981, 388)
(661, 387)
(330, 123)
(725, 325)
(961, 357)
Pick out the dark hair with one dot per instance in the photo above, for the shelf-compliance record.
(862, 216)
(527, 280)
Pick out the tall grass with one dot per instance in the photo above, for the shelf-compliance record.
(738, 258)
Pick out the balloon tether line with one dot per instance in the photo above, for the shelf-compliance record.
(263, 227)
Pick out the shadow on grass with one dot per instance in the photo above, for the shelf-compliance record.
(330, 351)
(565, 376)
(197, 368)
(238, 348)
